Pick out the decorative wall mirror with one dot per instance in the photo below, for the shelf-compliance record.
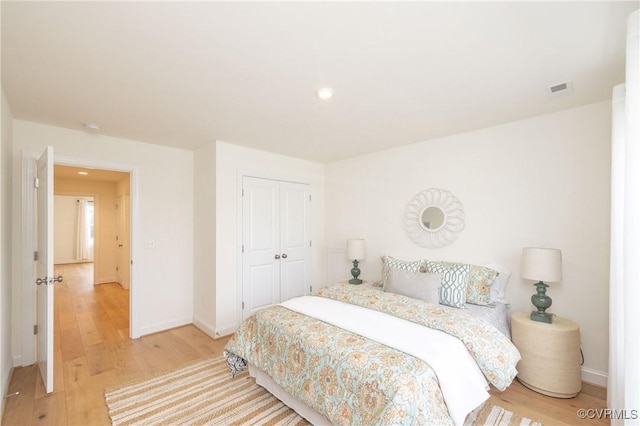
(434, 218)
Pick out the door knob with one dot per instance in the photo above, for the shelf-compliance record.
(284, 255)
(47, 280)
(277, 256)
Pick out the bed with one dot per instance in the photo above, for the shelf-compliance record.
(368, 355)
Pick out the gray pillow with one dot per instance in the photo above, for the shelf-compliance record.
(417, 285)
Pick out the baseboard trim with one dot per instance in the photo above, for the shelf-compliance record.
(17, 361)
(106, 280)
(225, 330)
(71, 262)
(594, 377)
(7, 372)
(164, 326)
(205, 327)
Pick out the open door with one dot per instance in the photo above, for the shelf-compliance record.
(44, 268)
(123, 250)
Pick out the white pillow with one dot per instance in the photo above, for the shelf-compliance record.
(499, 285)
(417, 285)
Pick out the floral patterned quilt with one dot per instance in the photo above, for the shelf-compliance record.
(354, 380)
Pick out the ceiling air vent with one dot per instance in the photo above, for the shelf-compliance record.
(560, 89)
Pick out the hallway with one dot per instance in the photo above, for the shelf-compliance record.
(87, 318)
(93, 351)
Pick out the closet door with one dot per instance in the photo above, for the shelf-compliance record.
(276, 263)
(261, 244)
(295, 262)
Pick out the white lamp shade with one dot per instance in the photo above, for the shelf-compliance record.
(356, 249)
(541, 264)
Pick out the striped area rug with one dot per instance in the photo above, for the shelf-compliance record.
(198, 394)
(203, 393)
(493, 415)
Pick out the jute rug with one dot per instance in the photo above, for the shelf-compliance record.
(203, 393)
(493, 415)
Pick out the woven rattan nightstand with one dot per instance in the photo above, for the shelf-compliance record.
(550, 361)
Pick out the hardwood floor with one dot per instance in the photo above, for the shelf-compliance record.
(93, 351)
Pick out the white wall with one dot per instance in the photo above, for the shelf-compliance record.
(538, 182)
(163, 234)
(231, 162)
(204, 285)
(6, 361)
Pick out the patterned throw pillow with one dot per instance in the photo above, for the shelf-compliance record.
(389, 262)
(479, 285)
(453, 289)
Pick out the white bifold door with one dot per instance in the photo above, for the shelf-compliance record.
(276, 242)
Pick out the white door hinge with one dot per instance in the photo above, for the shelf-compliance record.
(242, 305)
(35, 255)
(36, 182)
(35, 329)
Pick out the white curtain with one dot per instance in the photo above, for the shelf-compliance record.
(624, 297)
(84, 246)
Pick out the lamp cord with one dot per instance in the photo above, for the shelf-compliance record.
(581, 356)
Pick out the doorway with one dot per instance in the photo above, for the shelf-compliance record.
(28, 247)
(73, 229)
(91, 305)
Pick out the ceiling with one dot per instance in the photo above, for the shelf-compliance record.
(70, 172)
(183, 74)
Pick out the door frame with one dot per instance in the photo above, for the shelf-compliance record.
(27, 281)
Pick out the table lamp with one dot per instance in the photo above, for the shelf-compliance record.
(355, 252)
(541, 264)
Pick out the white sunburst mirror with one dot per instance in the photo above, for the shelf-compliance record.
(434, 218)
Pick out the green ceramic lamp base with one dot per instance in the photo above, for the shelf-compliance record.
(541, 317)
(541, 301)
(355, 271)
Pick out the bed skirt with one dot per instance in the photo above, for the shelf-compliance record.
(292, 402)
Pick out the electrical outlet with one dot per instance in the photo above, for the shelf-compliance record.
(149, 244)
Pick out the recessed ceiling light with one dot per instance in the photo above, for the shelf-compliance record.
(91, 127)
(83, 173)
(324, 93)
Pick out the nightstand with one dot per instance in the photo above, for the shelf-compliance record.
(550, 362)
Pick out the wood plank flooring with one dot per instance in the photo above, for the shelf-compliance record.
(93, 351)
